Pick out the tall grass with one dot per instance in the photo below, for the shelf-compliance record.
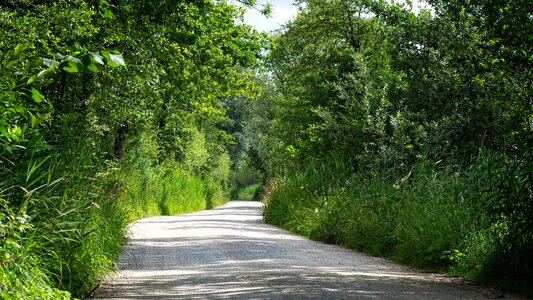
(161, 190)
(63, 218)
(501, 250)
(432, 216)
(65, 230)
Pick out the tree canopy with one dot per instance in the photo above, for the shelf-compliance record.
(103, 103)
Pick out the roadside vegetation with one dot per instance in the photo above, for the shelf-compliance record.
(435, 217)
(404, 135)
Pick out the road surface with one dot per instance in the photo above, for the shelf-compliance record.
(230, 253)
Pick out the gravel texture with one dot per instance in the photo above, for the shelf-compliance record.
(230, 253)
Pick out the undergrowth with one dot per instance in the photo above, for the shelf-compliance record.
(162, 190)
(249, 192)
(474, 222)
(63, 220)
(245, 182)
(61, 229)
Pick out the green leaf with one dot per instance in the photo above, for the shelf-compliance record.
(117, 59)
(19, 109)
(494, 41)
(3, 130)
(105, 7)
(36, 95)
(74, 64)
(59, 56)
(92, 68)
(108, 13)
(478, 80)
(42, 73)
(96, 58)
(16, 133)
(114, 59)
(36, 165)
(71, 67)
(50, 63)
(34, 121)
(19, 49)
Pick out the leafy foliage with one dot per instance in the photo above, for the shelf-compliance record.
(110, 111)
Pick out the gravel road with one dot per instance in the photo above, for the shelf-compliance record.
(230, 253)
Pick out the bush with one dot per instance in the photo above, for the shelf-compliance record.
(250, 192)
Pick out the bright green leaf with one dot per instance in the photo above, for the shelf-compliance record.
(16, 133)
(36, 95)
(19, 109)
(19, 49)
(34, 121)
(71, 67)
(108, 13)
(74, 64)
(92, 68)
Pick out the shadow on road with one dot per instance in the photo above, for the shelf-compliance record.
(229, 253)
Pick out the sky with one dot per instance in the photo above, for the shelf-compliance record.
(283, 10)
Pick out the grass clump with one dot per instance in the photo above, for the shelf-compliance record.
(62, 230)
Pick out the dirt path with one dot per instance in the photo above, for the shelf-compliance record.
(229, 253)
